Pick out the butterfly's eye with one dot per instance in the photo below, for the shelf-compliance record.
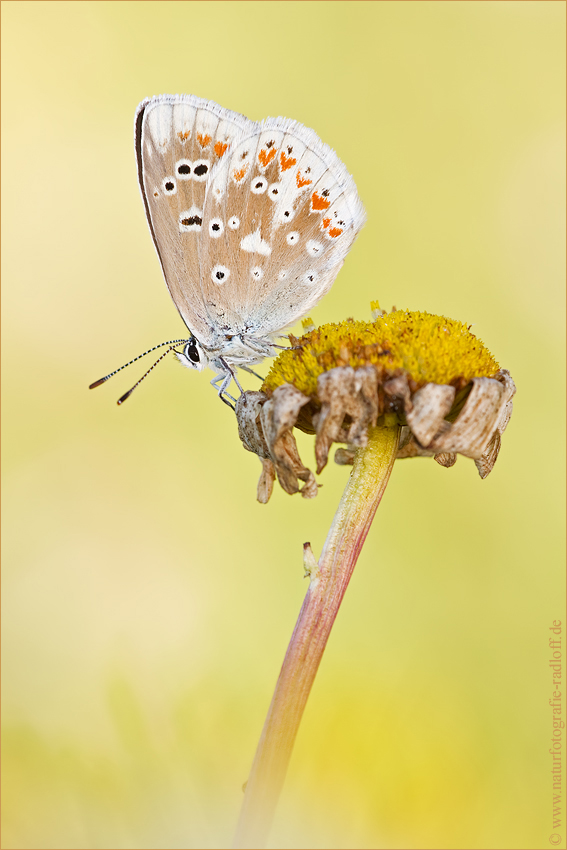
(200, 170)
(292, 238)
(183, 169)
(192, 352)
(234, 222)
(259, 185)
(169, 186)
(216, 227)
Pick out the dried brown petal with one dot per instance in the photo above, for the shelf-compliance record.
(398, 393)
(345, 391)
(345, 457)
(446, 459)
(351, 400)
(278, 416)
(484, 409)
(430, 406)
(476, 431)
(412, 448)
(485, 463)
(266, 482)
(248, 409)
(265, 428)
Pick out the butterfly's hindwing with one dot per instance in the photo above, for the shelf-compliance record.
(251, 222)
(298, 213)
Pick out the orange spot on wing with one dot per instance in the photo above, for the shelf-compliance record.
(238, 175)
(318, 202)
(334, 232)
(203, 140)
(326, 222)
(220, 148)
(266, 156)
(286, 161)
(302, 181)
(183, 136)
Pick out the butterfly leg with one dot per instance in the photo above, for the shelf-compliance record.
(264, 346)
(226, 378)
(286, 347)
(231, 374)
(252, 372)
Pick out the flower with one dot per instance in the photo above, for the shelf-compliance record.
(427, 372)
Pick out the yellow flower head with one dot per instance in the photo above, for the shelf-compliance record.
(430, 349)
(427, 373)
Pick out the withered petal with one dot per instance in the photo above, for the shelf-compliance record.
(248, 409)
(398, 392)
(429, 407)
(345, 391)
(266, 482)
(446, 459)
(278, 415)
(345, 457)
(485, 463)
(483, 411)
(353, 399)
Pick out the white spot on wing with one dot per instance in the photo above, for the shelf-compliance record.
(314, 248)
(201, 168)
(220, 274)
(169, 186)
(254, 244)
(274, 191)
(183, 120)
(216, 227)
(259, 185)
(191, 220)
(183, 169)
(206, 124)
(310, 277)
(158, 122)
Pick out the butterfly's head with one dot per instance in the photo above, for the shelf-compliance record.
(192, 355)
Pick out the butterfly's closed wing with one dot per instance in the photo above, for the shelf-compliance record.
(280, 215)
(179, 140)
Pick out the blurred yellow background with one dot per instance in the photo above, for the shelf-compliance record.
(148, 599)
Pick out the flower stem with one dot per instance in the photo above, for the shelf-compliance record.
(329, 581)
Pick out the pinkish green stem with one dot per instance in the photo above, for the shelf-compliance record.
(329, 581)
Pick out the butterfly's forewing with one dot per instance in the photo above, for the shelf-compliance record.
(179, 140)
(282, 212)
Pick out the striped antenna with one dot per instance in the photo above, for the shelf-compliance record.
(106, 377)
(129, 393)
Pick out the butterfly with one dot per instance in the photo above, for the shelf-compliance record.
(251, 223)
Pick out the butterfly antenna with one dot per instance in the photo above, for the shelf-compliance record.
(106, 377)
(145, 375)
